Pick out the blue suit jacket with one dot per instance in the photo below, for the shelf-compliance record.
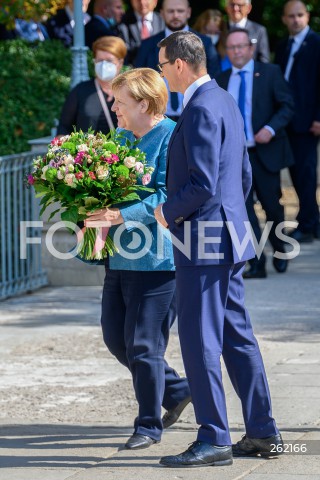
(148, 53)
(304, 81)
(208, 179)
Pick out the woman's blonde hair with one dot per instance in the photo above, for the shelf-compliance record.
(144, 84)
(113, 45)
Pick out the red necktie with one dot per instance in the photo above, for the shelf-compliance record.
(144, 29)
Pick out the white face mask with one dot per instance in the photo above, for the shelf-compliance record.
(105, 71)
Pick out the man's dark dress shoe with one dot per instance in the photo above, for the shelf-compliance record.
(266, 447)
(137, 441)
(301, 237)
(200, 454)
(280, 265)
(172, 415)
(255, 271)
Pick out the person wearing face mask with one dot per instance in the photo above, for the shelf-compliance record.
(88, 105)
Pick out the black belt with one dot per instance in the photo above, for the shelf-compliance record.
(251, 149)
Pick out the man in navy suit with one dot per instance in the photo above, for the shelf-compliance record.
(268, 108)
(107, 15)
(208, 180)
(238, 11)
(176, 14)
(299, 58)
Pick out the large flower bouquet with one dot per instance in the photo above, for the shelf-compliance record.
(86, 172)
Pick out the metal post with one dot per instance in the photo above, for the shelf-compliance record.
(79, 50)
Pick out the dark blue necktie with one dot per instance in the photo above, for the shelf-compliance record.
(174, 100)
(242, 98)
(287, 53)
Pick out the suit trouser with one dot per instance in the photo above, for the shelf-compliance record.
(138, 309)
(304, 178)
(213, 321)
(267, 186)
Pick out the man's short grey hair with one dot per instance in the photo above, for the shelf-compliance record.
(187, 46)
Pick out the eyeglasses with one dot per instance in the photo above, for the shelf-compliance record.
(160, 65)
(241, 46)
(239, 5)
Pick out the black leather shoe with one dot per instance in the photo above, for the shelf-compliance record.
(200, 454)
(266, 447)
(137, 441)
(280, 265)
(301, 237)
(255, 271)
(172, 415)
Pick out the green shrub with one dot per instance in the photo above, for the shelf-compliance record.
(34, 82)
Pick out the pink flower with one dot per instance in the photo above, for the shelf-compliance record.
(139, 167)
(146, 178)
(56, 141)
(115, 158)
(79, 175)
(92, 175)
(31, 179)
(79, 158)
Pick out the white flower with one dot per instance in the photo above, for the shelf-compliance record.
(70, 168)
(54, 148)
(70, 179)
(102, 172)
(65, 138)
(67, 159)
(60, 175)
(129, 162)
(82, 148)
(44, 169)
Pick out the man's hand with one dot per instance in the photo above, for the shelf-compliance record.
(263, 136)
(315, 128)
(159, 217)
(104, 218)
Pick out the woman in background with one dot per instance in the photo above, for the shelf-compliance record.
(89, 103)
(211, 23)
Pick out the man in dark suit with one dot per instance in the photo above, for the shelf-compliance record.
(268, 108)
(208, 179)
(107, 15)
(238, 11)
(299, 58)
(60, 26)
(176, 14)
(138, 23)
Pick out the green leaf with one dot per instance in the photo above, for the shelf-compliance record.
(53, 214)
(70, 215)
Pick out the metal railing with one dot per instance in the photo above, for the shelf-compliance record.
(18, 204)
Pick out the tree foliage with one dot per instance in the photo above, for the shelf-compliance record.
(28, 10)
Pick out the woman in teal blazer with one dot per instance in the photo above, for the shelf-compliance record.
(138, 305)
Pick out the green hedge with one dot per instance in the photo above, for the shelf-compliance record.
(34, 82)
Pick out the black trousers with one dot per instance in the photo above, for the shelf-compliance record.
(138, 308)
(267, 187)
(304, 178)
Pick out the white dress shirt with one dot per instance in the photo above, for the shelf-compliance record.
(193, 87)
(233, 89)
(297, 42)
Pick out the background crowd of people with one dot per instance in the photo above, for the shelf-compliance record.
(281, 104)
